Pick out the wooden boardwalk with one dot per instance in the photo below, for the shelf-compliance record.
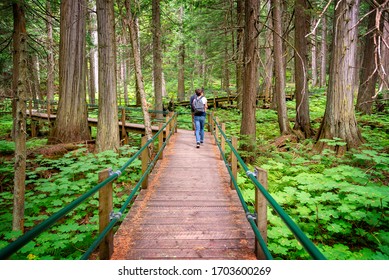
(188, 210)
(92, 122)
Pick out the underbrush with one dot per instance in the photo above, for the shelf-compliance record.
(52, 183)
(340, 203)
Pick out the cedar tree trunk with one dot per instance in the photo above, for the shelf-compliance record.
(339, 119)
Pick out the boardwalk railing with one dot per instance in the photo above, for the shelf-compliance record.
(170, 127)
(308, 245)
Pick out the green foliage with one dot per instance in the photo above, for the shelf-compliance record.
(341, 204)
(54, 184)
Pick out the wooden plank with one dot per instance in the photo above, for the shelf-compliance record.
(192, 243)
(191, 254)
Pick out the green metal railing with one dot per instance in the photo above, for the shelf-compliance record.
(13, 247)
(298, 233)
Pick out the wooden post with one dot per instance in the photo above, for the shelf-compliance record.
(48, 108)
(172, 122)
(234, 160)
(167, 129)
(105, 208)
(223, 141)
(261, 210)
(160, 141)
(209, 120)
(175, 122)
(33, 128)
(145, 161)
(216, 129)
(124, 132)
(30, 108)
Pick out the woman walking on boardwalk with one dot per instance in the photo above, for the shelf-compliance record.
(199, 106)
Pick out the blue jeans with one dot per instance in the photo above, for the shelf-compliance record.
(199, 125)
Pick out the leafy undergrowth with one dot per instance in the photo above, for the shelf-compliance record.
(341, 204)
(52, 184)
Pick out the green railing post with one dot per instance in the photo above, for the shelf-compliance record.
(105, 208)
(261, 210)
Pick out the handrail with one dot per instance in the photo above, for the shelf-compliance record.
(298, 233)
(245, 207)
(115, 219)
(28, 236)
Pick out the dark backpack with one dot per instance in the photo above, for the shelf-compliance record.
(198, 105)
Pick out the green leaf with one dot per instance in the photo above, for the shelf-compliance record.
(325, 197)
(334, 227)
(57, 202)
(304, 197)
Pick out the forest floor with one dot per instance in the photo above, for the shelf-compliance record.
(341, 203)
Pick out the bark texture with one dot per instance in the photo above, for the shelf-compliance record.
(50, 54)
(339, 119)
(20, 94)
(138, 72)
(279, 89)
(250, 85)
(71, 123)
(157, 56)
(370, 63)
(302, 124)
(323, 52)
(181, 60)
(107, 130)
(239, 51)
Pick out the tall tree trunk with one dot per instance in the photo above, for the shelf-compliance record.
(279, 90)
(34, 77)
(50, 54)
(370, 64)
(94, 40)
(157, 56)
(323, 51)
(92, 78)
(269, 61)
(125, 63)
(138, 95)
(302, 124)
(20, 94)
(239, 52)
(384, 79)
(181, 59)
(71, 124)
(314, 55)
(138, 71)
(91, 23)
(250, 85)
(107, 130)
(225, 79)
(339, 119)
